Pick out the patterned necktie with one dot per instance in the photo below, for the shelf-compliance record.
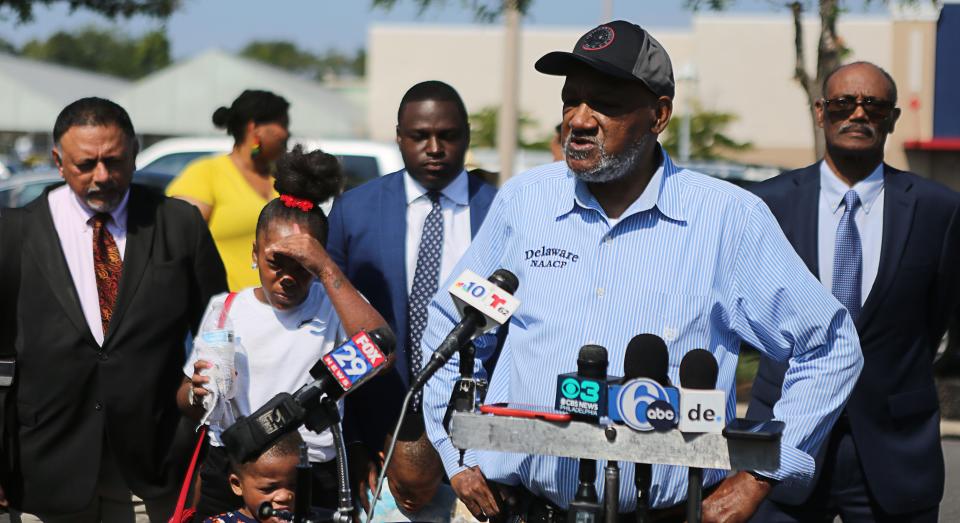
(848, 258)
(107, 267)
(425, 281)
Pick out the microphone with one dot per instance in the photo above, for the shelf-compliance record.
(698, 374)
(584, 393)
(585, 507)
(483, 305)
(701, 407)
(646, 359)
(645, 400)
(339, 372)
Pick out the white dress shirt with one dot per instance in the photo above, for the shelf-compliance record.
(455, 208)
(72, 219)
(869, 220)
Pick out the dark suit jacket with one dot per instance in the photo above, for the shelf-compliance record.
(72, 396)
(368, 231)
(893, 410)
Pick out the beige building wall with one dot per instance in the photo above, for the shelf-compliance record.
(741, 64)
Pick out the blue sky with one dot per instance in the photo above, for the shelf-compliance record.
(318, 25)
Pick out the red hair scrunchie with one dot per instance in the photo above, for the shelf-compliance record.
(297, 203)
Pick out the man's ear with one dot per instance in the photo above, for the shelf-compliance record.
(664, 110)
(57, 160)
(398, 134)
(235, 484)
(818, 111)
(894, 116)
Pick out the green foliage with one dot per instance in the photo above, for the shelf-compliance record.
(483, 129)
(104, 51)
(7, 47)
(483, 10)
(286, 55)
(23, 9)
(707, 138)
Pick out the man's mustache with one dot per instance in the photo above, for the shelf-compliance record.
(860, 128)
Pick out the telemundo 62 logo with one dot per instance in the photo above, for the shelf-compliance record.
(645, 405)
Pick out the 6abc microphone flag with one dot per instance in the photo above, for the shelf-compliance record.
(645, 399)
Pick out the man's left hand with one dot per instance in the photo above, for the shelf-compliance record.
(736, 499)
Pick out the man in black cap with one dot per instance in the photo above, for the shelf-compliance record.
(620, 241)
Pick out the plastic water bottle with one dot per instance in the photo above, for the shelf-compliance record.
(217, 347)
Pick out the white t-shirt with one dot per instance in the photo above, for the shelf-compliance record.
(275, 351)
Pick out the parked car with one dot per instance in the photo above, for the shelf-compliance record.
(362, 161)
(23, 188)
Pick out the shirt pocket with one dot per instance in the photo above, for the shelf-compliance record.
(682, 320)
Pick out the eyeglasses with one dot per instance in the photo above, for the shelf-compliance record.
(875, 108)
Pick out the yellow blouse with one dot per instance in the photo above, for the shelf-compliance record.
(217, 182)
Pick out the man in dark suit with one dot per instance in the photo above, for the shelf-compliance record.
(886, 243)
(398, 236)
(111, 277)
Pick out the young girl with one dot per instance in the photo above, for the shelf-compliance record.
(303, 308)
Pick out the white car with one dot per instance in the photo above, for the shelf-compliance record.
(362, 161)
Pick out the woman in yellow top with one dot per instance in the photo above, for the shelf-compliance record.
(230, 190)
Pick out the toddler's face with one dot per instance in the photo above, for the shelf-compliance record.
(270, 479)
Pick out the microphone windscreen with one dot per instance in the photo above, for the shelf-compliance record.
(698, 370)
(505, 279)
(647, 357)
(592, 362)
(384, 338)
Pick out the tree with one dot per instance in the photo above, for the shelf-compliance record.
(483, 129)
(830, 48)
(282, 54)
(286, 55)
(104, 51)
(484, 10)
(23, 9)
(707, 138)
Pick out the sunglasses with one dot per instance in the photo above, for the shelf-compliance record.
(841, 108)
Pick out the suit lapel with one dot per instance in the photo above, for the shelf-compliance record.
(898, 210)
(43, 246)
(140, 225)
(393, 238)
(806, 221)
(479, 203)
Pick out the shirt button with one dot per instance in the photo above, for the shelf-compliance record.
(607, 240)
(98, 406)
(599, 292)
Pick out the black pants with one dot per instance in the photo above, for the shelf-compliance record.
(217, 498)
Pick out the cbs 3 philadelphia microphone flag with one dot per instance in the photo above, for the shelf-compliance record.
(646, 400)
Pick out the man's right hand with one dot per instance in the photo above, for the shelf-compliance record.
(471, 487)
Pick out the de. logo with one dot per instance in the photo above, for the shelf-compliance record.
(635, 401)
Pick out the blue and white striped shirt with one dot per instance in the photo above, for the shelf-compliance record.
(694, 260)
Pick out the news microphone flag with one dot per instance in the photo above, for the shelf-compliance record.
(354, 361)
(495, 303)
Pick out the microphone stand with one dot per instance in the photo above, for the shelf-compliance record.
(694, 495)
(611, 491)
(463, 397)
(642, 478)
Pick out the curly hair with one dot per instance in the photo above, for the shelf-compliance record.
(309, 177)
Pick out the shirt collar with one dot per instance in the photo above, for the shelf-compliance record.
(662, 192)
(457, 191)
(118, 215)
(833, 189)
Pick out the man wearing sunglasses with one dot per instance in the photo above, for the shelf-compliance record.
(886, 243)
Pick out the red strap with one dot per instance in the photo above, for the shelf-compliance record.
(226, 309)
(185, 488)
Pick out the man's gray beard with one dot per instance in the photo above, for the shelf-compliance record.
(610, 167)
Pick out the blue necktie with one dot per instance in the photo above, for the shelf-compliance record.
(425, 281)
(848, 258)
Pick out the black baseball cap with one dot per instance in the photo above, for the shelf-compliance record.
(619, 49)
